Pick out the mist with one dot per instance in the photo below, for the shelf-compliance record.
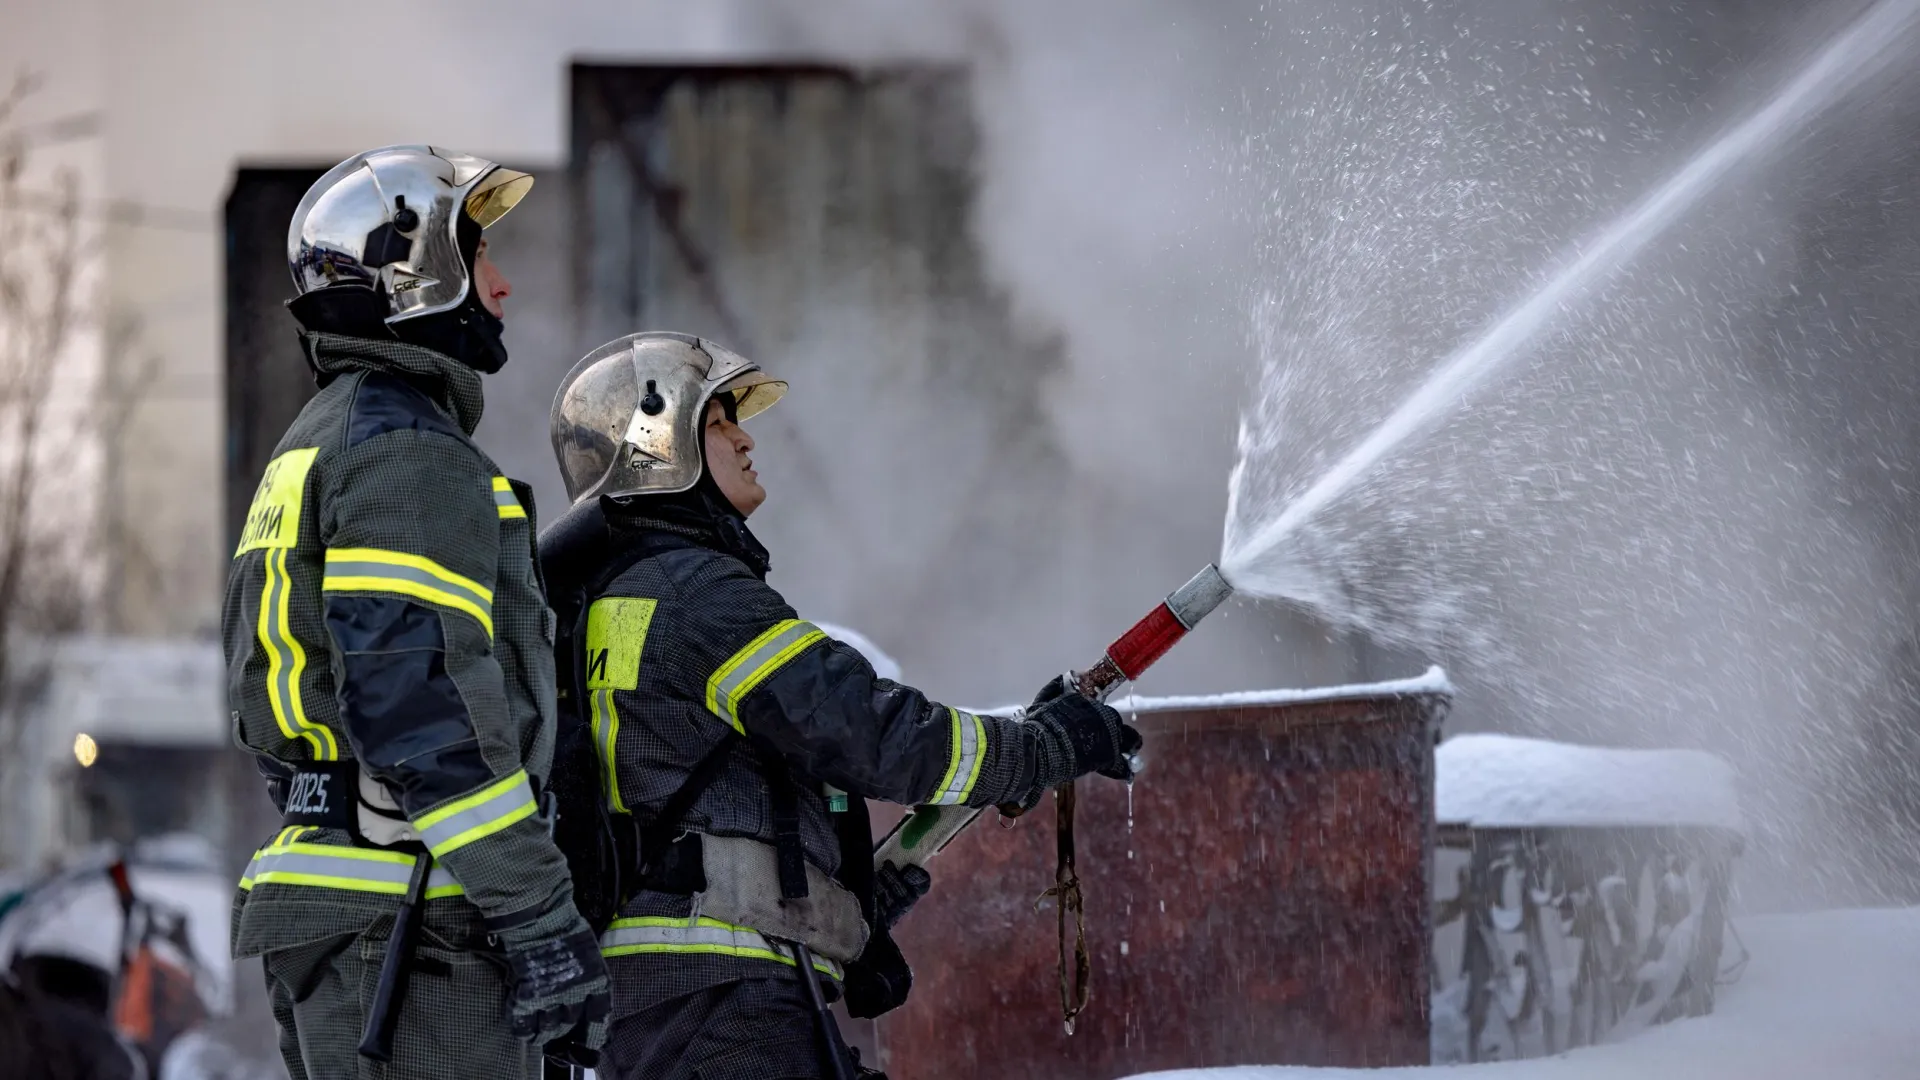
(1636, 533)
(1682, 519)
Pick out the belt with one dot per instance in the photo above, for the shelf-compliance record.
(321, 794)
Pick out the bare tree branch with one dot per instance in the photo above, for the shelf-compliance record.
(50, 525)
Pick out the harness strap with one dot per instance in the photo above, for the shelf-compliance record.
(784, 796)
(658, 836)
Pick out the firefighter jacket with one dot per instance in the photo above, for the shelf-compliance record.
(687, 653)
(384, 606)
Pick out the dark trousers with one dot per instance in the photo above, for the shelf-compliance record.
(452, 1024)
(750, 1029)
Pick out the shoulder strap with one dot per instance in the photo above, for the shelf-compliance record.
(658, 835)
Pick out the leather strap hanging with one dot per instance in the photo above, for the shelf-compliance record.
(1074, 989)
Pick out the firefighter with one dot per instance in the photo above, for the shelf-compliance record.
(390, 662)
(737, 744)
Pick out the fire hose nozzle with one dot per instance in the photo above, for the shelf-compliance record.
(1195, 600)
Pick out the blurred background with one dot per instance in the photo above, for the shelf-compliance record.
(1016, 260)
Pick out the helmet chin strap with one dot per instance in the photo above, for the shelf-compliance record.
(469, 333)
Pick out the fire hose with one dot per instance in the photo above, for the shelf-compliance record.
(926, 830)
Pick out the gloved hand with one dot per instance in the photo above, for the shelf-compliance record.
(1075, 736)
(559, 993)
(896, 889)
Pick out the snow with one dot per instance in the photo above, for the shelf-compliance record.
(1827, 996)
(1500, 781)
(883, 665)
(1434, 681)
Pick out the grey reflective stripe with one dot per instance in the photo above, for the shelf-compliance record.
(969, 739)
(697, 936)
(752, 666)
(287, 661)
(606, 730)
(353, 869)
(504, 501)
(478, 815)
(347, 568)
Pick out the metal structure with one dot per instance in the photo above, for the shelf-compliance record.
(1260, 897)
(1570, 936)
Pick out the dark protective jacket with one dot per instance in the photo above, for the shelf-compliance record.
(385, 606)
(688, 650)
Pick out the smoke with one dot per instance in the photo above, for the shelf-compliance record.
(1003, 516)
(1681, 520)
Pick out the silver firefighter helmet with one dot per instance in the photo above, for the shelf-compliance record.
(630, 417)
(389, 219)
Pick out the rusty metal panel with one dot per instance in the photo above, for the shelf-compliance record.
(1263, 900)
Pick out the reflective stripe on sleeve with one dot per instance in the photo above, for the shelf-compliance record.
(753, 665)
(290, 862)
(375, 570)
(505, 501)
(481, 814)
(287, 660)
(696, 935)
(963, 766)
(606, 735)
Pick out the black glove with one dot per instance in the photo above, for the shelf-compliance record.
(1075, 736)
(559, 992)
(896, 889)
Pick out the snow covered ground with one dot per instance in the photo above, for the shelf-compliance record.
(1828, 996)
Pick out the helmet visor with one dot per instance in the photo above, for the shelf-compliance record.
(753, 393)
(498, 192)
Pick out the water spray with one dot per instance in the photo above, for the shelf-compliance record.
(1866, 47)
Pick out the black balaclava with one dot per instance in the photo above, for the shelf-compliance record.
(468, 333)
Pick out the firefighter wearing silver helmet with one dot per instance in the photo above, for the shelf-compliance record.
(727, 748)
(390, 662)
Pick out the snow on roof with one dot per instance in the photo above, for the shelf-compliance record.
(1500, 781)
(1434, 681)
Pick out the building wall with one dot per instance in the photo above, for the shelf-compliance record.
(190, 93)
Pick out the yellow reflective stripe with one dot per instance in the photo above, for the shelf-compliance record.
(377, 570)
(287, 660)
(697, 935)
(504, 500)
(353, 869)
(606, 734)
(753, 665)
(473, 817)
(963, 767)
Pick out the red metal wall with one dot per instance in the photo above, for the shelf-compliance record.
(1268, 905)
